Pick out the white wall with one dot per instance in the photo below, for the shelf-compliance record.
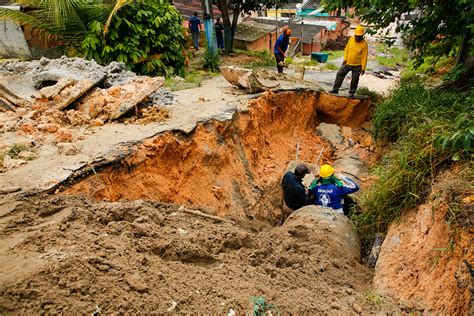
(12, 41)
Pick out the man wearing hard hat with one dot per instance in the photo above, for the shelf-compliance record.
(329, 191)
(355, 60)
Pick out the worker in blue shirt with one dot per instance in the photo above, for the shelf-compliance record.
(194, 26)
(330, 191)
(281, 45)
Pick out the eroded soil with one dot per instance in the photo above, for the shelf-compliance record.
(62, 254)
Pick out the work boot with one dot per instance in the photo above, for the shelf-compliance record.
(333, 92)
(351, 95)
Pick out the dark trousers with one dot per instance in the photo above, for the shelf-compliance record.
(195, 36)
(220, 42)
(279, 58)
(348, 205)
(341, 74)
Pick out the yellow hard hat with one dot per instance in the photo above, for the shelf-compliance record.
(326, 171)
(359, 30)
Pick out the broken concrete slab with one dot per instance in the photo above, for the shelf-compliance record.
(112, 103)
(149, 86)
(50, 91)
(331, 133)
(244, 78)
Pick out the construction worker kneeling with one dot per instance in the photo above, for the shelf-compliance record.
(330, 191)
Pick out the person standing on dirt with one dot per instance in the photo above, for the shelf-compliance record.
(194, 26)
(329, 191)
(219, 33)
(281, 45)
(295, 193)
(355, 60)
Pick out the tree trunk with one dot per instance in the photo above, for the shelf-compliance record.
(464, 50)
(235, 19)
(228, 36)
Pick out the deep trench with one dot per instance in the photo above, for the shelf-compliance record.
(231, 168)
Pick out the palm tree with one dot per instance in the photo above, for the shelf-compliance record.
(62, 19)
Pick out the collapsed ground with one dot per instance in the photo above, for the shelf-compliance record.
(75, 254)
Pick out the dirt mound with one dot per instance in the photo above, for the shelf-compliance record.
(425, 266)
(72, 255)
(231, 167)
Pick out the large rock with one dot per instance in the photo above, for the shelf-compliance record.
(331, 133)
(336, 226)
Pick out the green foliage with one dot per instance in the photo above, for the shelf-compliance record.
(59, 19)
(419, 123)
(146, 35)
(411, 106)
(414, 71)
(373, 95)
(334, 54)
(437, 27)
(458, 140)
(330, 66)
(211, 61)
(260, 306)
(395, 56)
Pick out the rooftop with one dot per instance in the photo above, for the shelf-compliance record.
(251, 31)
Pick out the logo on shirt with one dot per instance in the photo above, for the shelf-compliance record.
(324, 199)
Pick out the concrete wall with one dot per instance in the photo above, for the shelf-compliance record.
(12, 41)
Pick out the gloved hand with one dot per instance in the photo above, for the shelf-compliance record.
(344, 62)
(362, 72)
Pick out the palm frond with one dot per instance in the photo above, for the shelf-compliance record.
(30, 23)
(119, 4)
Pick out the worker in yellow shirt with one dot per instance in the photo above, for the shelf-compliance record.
(355, 60)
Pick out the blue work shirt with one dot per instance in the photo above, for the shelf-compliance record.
(331, 194)
(281, 42)
(194, 23)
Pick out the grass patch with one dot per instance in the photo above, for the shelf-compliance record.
(373, 95)
(334, 54)
(411, 120)
(192, 80)
(430, 66)
(330, 66)
(393, 56)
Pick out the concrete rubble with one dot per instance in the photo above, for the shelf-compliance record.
(56, 101)
(73, 84)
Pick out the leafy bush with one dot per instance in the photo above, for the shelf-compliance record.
(146, 35)
(211, 61)
(458, 141)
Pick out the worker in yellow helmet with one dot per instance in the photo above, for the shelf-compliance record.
(329, 191)
(355, 60)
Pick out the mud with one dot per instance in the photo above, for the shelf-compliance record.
(72, 255)
(228, 168)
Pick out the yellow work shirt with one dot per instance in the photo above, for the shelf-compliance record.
(356, 53)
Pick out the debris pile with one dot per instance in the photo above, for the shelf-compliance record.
(55, 101)
(47, 94)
